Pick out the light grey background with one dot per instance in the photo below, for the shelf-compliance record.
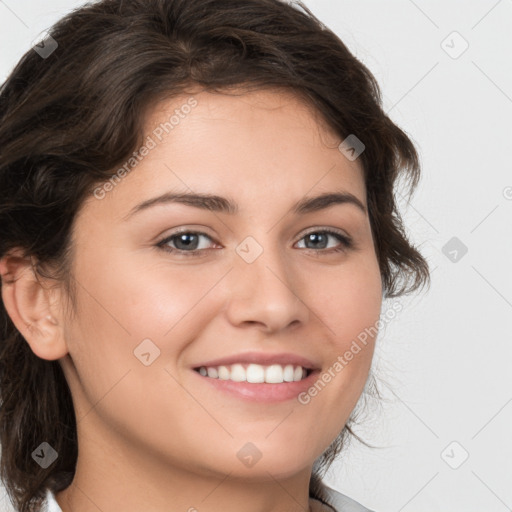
(446, 355)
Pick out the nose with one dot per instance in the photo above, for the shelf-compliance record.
(266, 293)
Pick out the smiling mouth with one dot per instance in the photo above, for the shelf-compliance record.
(256, 373)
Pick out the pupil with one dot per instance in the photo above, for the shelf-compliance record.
(314, 237)
(184, 238)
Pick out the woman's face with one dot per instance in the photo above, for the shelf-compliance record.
(263, 285)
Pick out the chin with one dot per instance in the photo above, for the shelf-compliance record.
(264, 460)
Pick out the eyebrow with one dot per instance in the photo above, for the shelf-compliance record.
(215, 203)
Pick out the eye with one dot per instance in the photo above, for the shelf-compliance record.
(320, 238)
(188, 243)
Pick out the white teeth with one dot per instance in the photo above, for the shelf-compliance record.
(237, 373)
(297, 374)
(212, 372)
(255, 373)
(274, 374)
(288, 373)
(224, 373)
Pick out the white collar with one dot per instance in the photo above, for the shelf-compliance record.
(51, 502)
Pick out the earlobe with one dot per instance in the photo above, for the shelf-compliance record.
(27, 302)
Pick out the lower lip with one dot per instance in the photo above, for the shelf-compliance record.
(262, 392)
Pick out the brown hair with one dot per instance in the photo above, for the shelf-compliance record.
(69, 119)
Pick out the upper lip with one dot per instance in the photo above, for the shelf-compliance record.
(265, 359)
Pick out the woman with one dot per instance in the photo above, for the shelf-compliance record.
(197, 230)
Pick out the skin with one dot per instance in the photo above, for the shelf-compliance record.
(155, 437)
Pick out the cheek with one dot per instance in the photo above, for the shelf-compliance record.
(347, 303)
(119, 306)
(348, 300)
(133, 299)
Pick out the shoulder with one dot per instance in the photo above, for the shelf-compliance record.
(343, 503)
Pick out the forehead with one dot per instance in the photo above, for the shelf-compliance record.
(240, 112)
(263, 147)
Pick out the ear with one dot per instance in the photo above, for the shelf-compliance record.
(28, 302)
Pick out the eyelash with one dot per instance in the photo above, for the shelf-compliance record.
(346, 242)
